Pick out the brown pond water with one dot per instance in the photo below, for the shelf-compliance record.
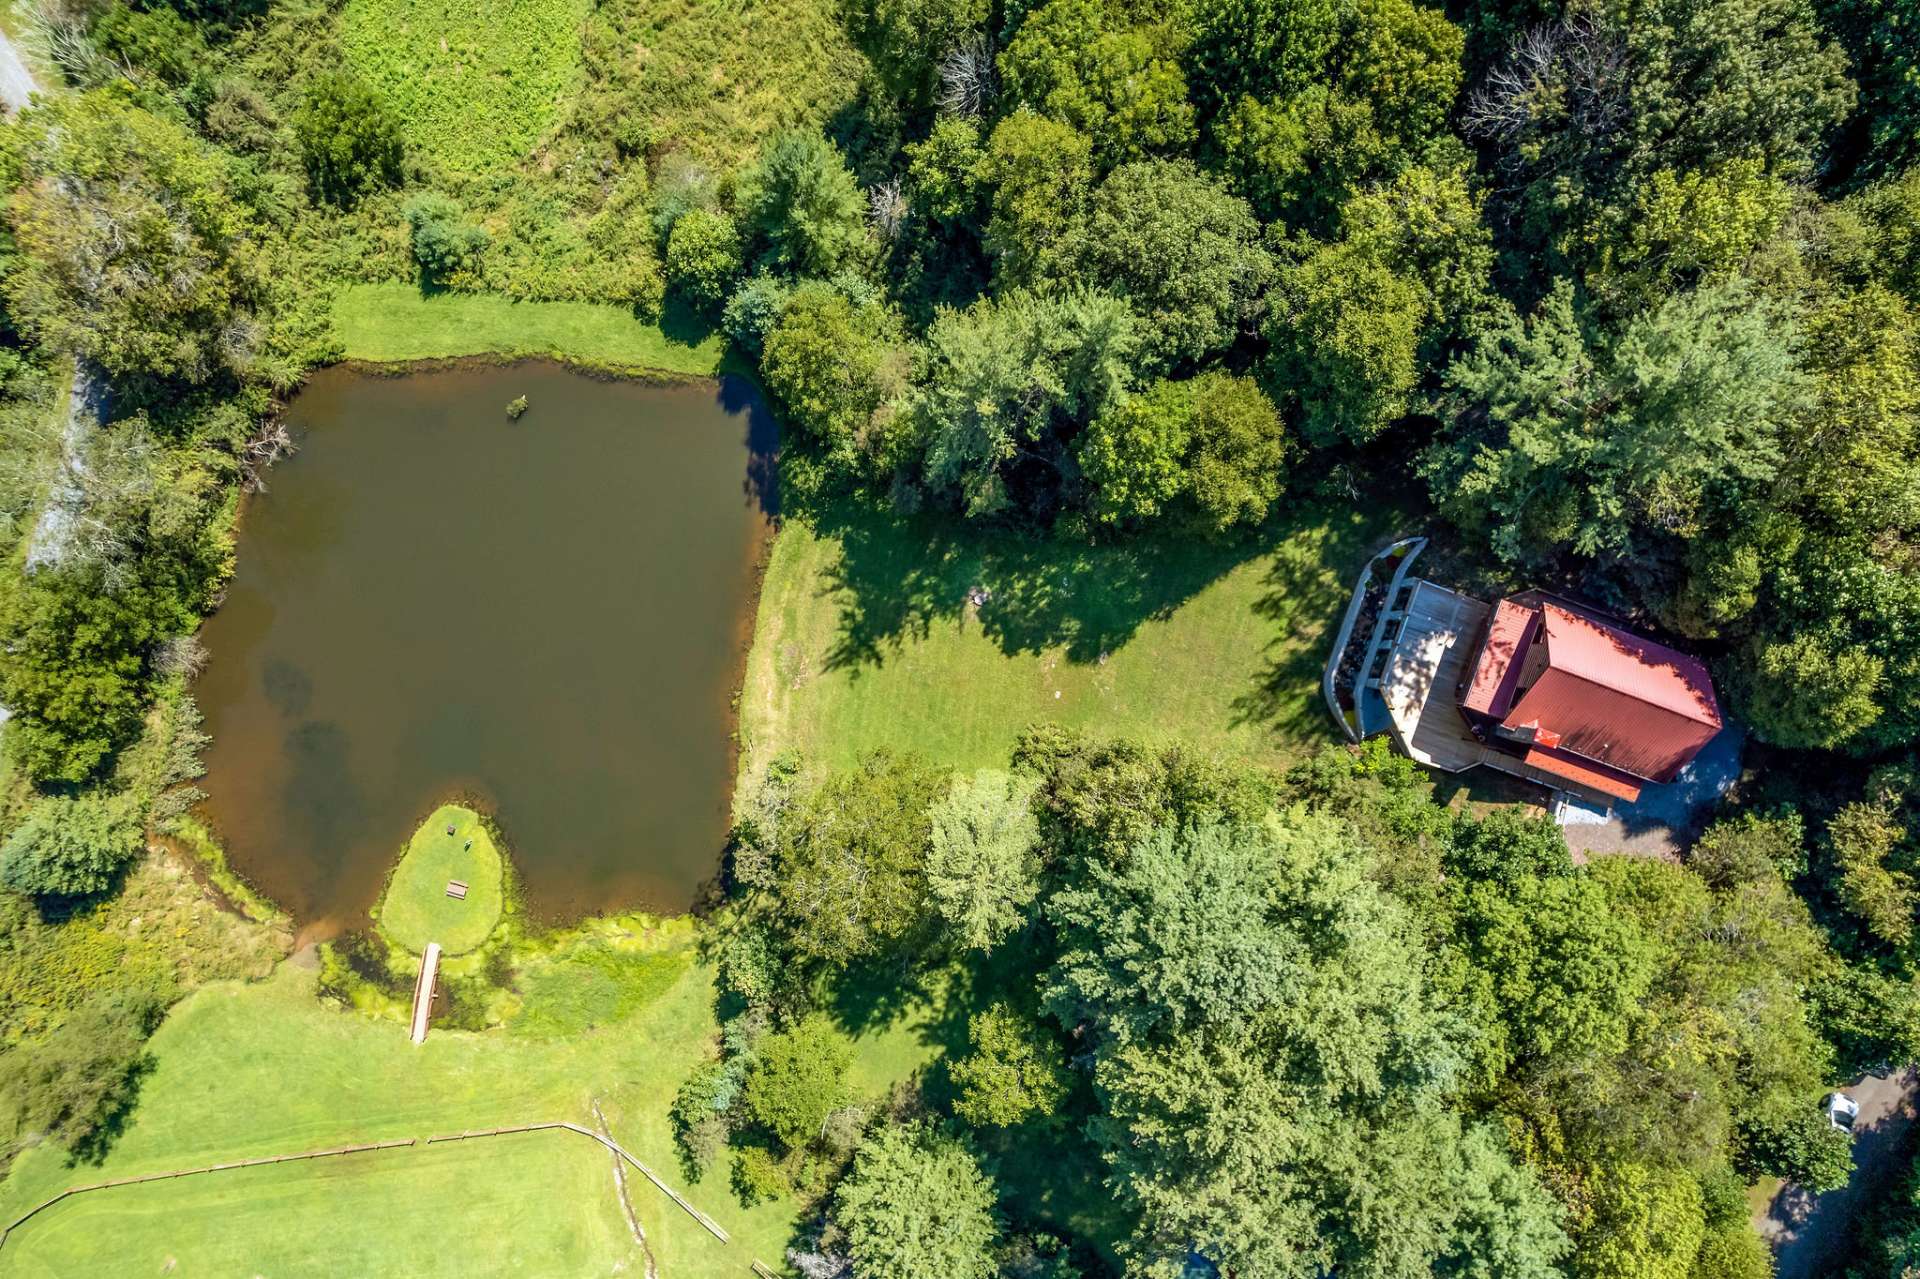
(548, 615)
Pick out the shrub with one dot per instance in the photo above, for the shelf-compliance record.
(1013, 1072)
(349, 141)
(1239, 449)
(799, 1079)
(917, 1206)
(703, 257)
(700, 1113)
(758, 1176)
(681, 185)
(1134, 455)
(1733, 1253)
(444, 242)
(69, 847)
(753, 310)
(1803, 1148)
(158, 39)
(801, 204)
(824, 361)
(133, 250)
(74, 1085)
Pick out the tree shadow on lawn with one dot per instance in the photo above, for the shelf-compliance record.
(898, 575)
(1307, 586)
(873, 995)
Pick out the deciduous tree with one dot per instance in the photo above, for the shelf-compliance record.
(917, 1206)
(982, 864)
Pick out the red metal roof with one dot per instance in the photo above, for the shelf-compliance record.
(1618, 699)
(1592, 776)
(1496, 672)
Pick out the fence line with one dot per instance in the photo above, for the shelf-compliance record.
(712, 1226)
(70, 1191)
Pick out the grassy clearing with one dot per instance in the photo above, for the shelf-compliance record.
(869, 635)
(249, 1069)
(714, 77)
(391, 323)
(430, 1210)
(451, 844)
(475, 86)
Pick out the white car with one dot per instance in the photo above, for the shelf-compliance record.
(1841, 1110)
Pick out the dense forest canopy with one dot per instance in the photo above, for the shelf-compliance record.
(1623, 294)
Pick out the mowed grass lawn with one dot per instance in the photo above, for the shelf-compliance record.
(429, 1210)
(243, 1070)
(475, 86)
(885, 632)
(452, 844)
(390, 323)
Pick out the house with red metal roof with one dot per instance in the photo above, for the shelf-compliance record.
(1578, 697)
(1535, 686)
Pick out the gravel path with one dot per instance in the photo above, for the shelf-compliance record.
(1806, 1230)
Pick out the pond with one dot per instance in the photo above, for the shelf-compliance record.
(546, 615)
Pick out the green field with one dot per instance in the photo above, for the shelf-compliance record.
(391, 323)
(475, 86)
(254, 1069)
(430, 1210)
(868, 635)
(451, 844)
(714, 77)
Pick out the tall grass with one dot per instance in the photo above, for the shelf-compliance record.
(476, 85)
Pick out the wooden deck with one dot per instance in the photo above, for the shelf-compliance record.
(1422, 679)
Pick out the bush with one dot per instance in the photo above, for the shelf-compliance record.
(1239, 450)
(753, 310)
(758, 1176)
(158, 39)
(917, 1206)
(700, 1113)
(1013, 1072)
(133, 248)
(1733, 1253)
(74, 1086)
(70, 847)
(703, 257)
(349, 141)
(802, 206)
(1803, 1148)
(799, 1079)
(824, 363)
(444, 243)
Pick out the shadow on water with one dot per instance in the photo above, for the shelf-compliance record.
(321, 797)
(761, 486)
(897, 576)
(287, 688)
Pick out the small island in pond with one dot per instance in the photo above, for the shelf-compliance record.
(454, 846)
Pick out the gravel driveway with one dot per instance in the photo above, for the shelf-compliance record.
(1806, 1230)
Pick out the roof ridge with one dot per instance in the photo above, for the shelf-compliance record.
(1694, 711)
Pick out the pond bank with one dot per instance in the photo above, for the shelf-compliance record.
(397, 325)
